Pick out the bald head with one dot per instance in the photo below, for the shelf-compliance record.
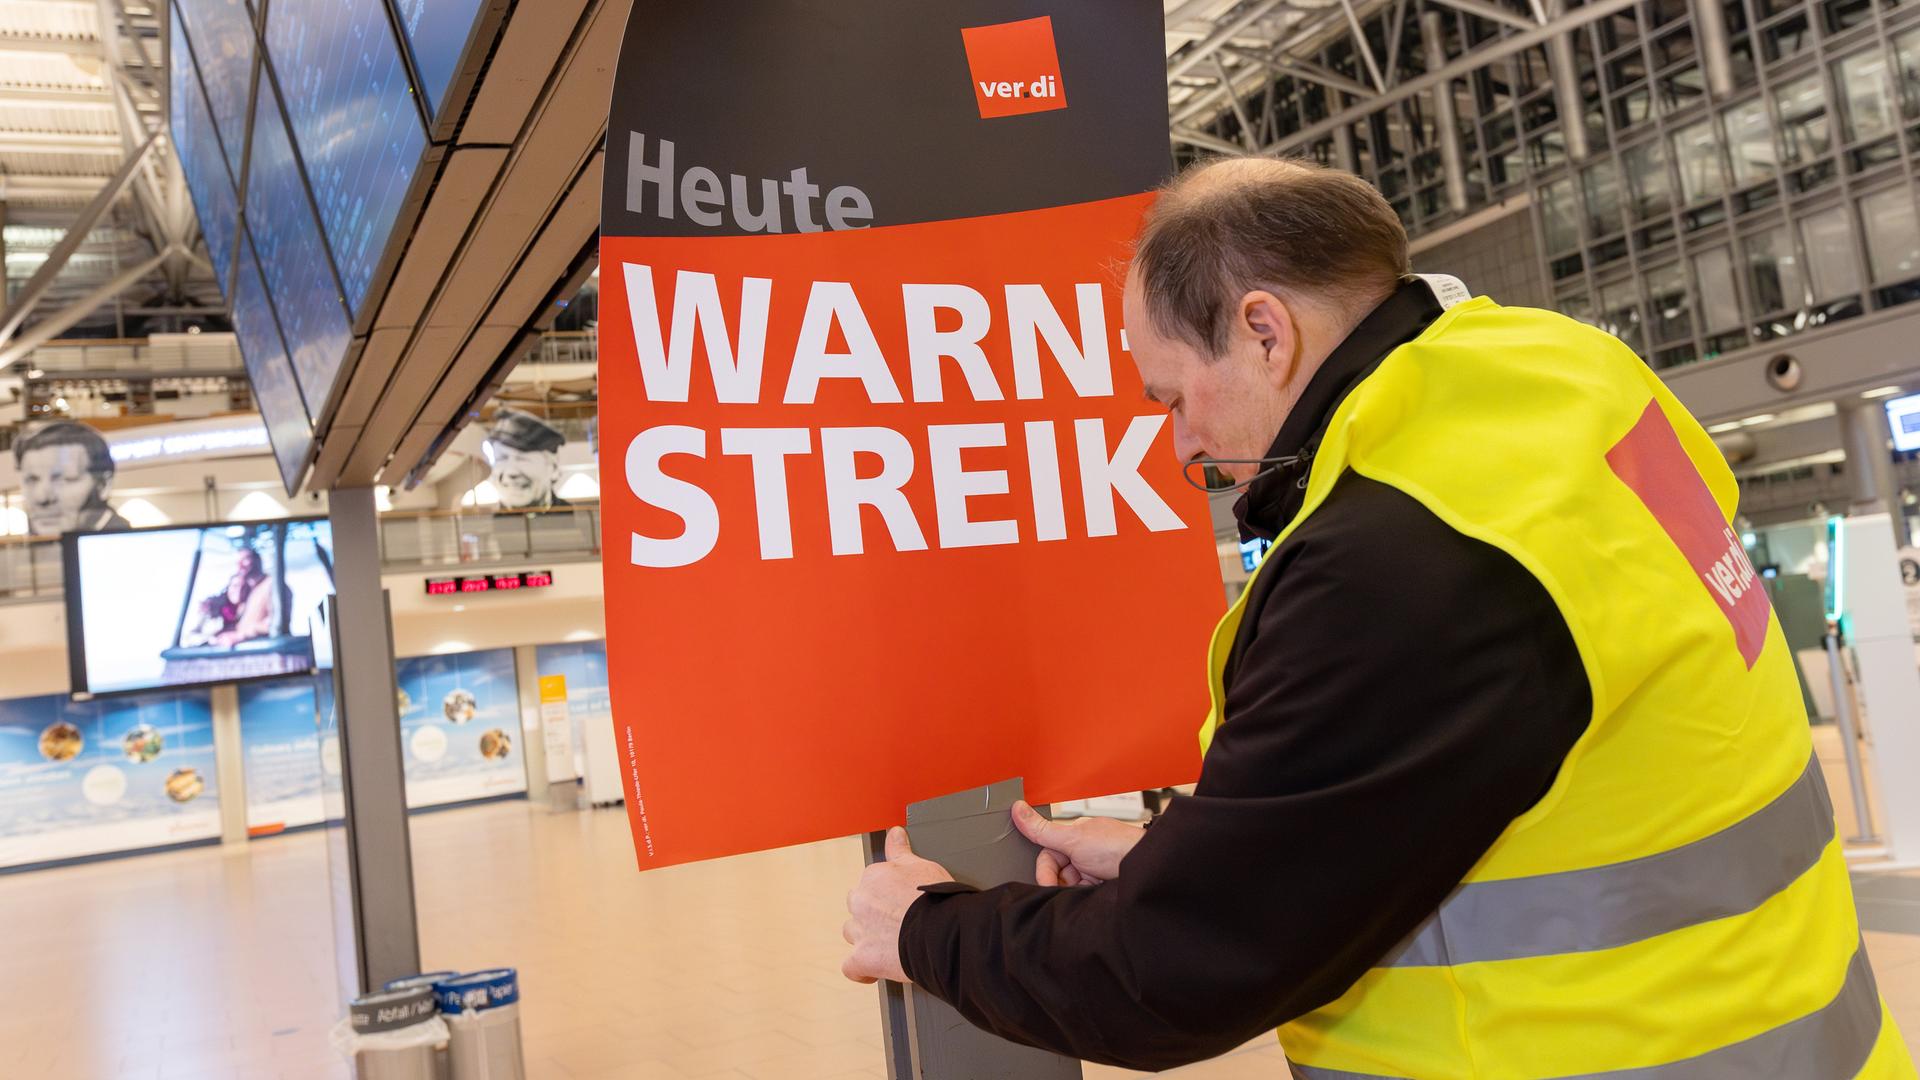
(1313, 235)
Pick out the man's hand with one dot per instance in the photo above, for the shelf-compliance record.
(879, 903)
(1083, 852)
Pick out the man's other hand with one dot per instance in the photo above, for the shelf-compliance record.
(1082, 852)
(879, 903)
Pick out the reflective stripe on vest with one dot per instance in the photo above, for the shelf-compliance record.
(1833, 1041)
(1731, 872)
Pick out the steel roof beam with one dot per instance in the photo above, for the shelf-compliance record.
(1191, 58)
(68, 317)
(1493, 12)
(37, 285)
(1480, 57)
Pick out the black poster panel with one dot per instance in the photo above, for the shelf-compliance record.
(884, 97)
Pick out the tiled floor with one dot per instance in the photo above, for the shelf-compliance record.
(211, 964)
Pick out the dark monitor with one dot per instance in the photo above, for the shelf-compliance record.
(222, 36)
(353, 114)
(270, 371)
(186, 606)
(201, 159)
(1903, 417)
(293, 258)
(438, 33)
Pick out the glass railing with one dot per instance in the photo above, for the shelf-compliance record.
(30, 566)
(424, 540)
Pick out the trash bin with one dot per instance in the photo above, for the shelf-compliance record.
(392, 1035)
(442, 1065)
(482, 1013)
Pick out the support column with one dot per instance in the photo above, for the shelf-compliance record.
(1870, 482)
(1710, 25)
(229, 769)
(1445, 117)
(526, 670)
(1343, 148)
(379, 854)
(1566, 87)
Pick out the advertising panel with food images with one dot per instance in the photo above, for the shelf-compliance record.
(82, 778)
(283, 756)
(460, 727)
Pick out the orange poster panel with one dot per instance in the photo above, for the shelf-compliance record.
(887, 517)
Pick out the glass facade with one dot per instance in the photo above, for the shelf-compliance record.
(1831, 253)
(1697, 150)
(1750, 143)
(1690, 224)
(1773, 272)
(1893, 242)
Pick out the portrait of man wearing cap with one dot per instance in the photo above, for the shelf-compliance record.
(65, 472)
(525, 454)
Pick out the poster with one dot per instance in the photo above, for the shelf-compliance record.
(583, 664)
(116, 774)
(282, 755)
(892, 517)
(556, 728)
(460, 727)
(66, 473)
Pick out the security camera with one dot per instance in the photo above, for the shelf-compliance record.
(1783, 373)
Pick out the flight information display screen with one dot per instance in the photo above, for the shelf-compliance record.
(354, 117)
(200, 157)
(269, 370)
(222, 33)
(293, 258)
(437, 33)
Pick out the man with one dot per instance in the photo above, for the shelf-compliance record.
(525, 453)
(65, 472)
(1507, 774)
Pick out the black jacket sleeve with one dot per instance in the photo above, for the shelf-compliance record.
(1405, 693)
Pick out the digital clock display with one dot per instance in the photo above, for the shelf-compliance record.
(479, 583)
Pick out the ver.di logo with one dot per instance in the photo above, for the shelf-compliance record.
(1015, 68)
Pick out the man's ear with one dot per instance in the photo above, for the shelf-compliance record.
(1263, 320)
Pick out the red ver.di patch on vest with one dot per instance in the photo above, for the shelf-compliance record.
(1651, 461)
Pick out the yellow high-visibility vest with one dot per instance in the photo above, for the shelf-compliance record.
(1677, 906)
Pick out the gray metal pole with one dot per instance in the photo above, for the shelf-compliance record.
(379, 851)
(1849, 740)
(1710, 23)
(925, 1038)
(1566, 87)
(896, 1034)
(1445, 116)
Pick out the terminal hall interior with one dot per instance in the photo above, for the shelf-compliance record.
(502, 503)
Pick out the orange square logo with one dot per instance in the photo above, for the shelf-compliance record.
(1016, 69)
